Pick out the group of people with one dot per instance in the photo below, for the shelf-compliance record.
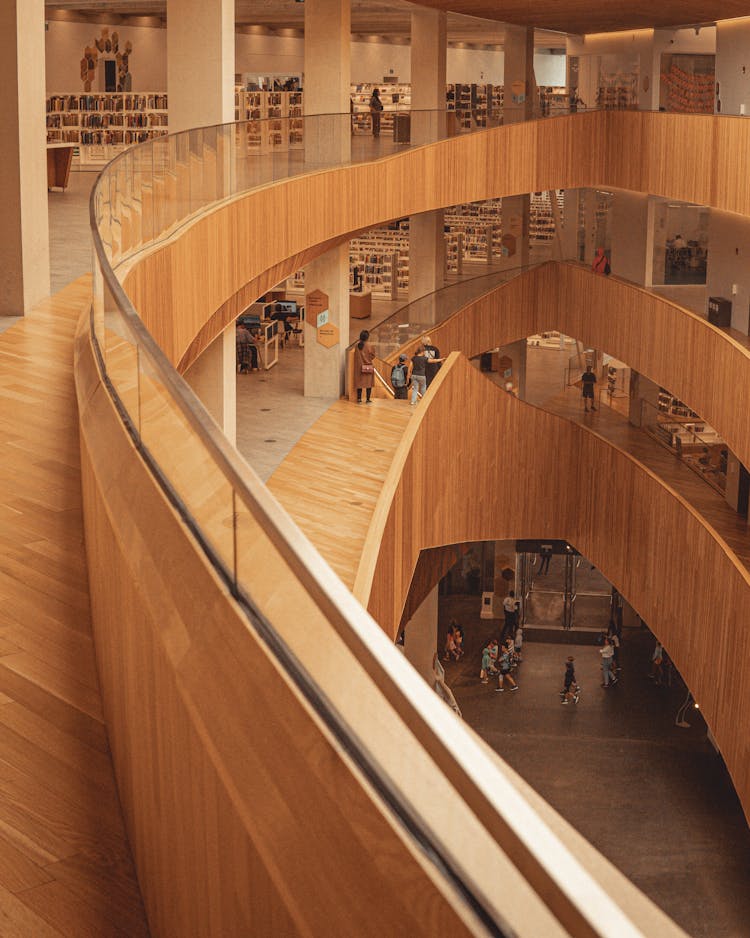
(499, 660)
(454, 642)
(416, 373)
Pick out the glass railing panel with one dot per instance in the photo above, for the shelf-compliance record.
(186, 458)
(121, 356)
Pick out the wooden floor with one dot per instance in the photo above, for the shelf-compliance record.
(65, 864)
(331, 480)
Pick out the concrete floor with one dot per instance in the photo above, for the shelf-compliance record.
(655, 799)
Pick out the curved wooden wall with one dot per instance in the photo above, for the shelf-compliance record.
(187, 290)
(245, 815)
(700, 364)
(644, 538)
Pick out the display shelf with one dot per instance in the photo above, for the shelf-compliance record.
(104, 124)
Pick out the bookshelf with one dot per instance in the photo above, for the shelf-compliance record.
(271, 118)
(395, 97)
(103, 124)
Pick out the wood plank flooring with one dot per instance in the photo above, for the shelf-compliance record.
(330, 482)
(65, 864)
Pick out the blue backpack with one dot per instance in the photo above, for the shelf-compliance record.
(398, 376)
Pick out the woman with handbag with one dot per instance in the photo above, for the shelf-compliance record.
(364, 369)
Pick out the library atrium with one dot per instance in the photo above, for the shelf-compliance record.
(467, 660)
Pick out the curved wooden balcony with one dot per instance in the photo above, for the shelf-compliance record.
(191, 287)
(191, 665)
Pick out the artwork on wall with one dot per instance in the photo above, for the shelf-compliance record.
(117, 76)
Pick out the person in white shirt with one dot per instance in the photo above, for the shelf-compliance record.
(510, 608)
(607, 652)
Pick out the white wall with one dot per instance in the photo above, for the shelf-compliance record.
(628, 239)
(732, 56)
(729, 263)
(550, 69)
(269, 54)
(65, 43)
(371, 61)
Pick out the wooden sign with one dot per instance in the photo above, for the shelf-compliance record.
(328, 335)
(316, 302)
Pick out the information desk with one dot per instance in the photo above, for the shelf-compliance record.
(59, 159)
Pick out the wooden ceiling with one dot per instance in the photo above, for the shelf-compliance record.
(390, 18)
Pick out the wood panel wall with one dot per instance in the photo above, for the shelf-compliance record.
(190, 288)
(646, 540)
(700, 364)
(246, 817)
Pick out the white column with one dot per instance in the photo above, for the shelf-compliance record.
(429, 50)
(200, 63)
(327, 80)
(420, 636)
(327, 140)
(24, 246)
(324, 366)
(518, 103)
(518, 80)
(213, 378)
(629, 240)
(732, 73)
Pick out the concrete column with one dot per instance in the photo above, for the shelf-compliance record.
(520, 87)
(630, 225)
(327, 141)
(200, 63)
(429, 49)
(589, 224)
(733, 66)
(24, 247)
(571, 210)
(426, 259)
(420, 636)
(324, 367)
(213, 378)
(327, 80)
(516, 218)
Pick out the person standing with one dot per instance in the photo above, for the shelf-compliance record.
(434, 361)
(510, 608)
(364, 369)
(588, 380)
(399, 378)
(376, 107)
(518, 643)
(418, 374)
(600, 264)
(607, 652)
(545, 553)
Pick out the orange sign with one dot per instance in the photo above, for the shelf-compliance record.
(328, 335)
(316, 302)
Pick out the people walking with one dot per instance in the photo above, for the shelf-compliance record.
(545, 554)
(505, 675)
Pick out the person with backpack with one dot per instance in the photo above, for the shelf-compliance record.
(399, 378)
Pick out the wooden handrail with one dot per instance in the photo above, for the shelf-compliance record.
(192, 287)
